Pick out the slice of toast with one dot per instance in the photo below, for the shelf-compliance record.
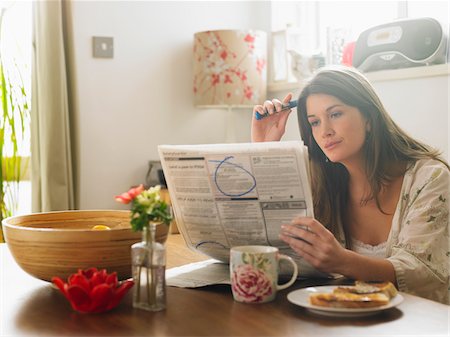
(361, 295)
(361, 287)
(348, 300)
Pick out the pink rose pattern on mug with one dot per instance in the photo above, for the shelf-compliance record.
(254, 273)
(250, 284)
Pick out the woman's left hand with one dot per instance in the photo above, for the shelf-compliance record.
(316, 244)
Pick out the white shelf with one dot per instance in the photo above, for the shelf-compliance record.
(378, 76)
(407, 73)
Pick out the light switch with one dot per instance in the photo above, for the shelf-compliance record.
(103, 47)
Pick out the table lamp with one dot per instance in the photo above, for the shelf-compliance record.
(230, 70)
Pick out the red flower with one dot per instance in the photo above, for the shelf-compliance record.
(260, 65)
(94, 291)
(228, 79)
(248, 92)
(249, 38)
(224, 55)
(215, 79)
(126, 197)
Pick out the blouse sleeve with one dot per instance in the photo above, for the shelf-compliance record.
(420, 255)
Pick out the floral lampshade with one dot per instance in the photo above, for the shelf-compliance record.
(230, 68)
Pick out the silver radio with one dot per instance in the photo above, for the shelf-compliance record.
(401, 44)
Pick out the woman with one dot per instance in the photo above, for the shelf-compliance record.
(381, 198)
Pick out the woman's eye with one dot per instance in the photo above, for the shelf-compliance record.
(336, 114)
(314, 123)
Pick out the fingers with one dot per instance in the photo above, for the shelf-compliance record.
(315, 243)
(277, 104)
(307, 244)
(272, 107)
(302, 248)
(258, 109)
(269, 107)
(309, 231)
(287, 99)
(313, 226)
(300, 233)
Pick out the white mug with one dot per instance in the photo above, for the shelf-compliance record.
(254, 273)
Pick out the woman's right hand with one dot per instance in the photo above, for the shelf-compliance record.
(272, 127)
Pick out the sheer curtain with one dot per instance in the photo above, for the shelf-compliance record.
(51, 154)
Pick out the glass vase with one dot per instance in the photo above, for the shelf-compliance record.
(149, 268)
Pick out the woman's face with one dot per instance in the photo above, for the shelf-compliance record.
(339, 129)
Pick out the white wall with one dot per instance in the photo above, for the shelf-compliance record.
(420, 106)
(127, 105)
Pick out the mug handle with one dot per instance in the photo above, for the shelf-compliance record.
(294, 275)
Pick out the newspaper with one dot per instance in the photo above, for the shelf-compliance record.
(198, 274)
(226, 195)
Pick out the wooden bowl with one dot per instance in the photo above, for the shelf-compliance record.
(59, 243)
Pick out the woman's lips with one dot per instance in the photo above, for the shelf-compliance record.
(331, 145)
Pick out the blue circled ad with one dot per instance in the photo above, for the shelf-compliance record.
(223, 164)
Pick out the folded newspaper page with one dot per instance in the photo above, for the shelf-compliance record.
(226, 195)
(198, 274)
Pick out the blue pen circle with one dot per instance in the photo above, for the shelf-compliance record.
(226, 162)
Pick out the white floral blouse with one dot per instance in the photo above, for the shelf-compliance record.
(418, 243)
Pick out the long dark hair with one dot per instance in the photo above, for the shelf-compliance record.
(385, 144)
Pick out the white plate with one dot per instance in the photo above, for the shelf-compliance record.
(301, 297)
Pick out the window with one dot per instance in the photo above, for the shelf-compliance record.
(342, 21)
(15, 52)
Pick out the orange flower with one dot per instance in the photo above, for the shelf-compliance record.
(94, 291)
(125, 198)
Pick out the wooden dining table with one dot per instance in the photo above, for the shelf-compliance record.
(31, 307)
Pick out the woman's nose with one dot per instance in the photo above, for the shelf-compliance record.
(327, 130)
